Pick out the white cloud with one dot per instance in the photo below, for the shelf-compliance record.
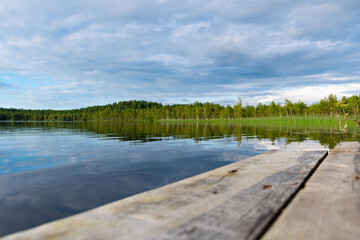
(168, 59)
(308, 94)
(209, 49)
(333, 77)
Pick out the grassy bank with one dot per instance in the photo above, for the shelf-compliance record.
(313, 122)
(276, 120)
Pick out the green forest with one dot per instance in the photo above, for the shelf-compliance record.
(142, 110)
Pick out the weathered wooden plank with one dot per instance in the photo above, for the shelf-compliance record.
(329, 206)
(233, 202)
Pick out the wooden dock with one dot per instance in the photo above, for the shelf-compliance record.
(276, 195)
(329, 206)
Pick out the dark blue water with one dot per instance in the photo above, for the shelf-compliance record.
(53, 170)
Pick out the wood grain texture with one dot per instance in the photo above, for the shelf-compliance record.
(236, 201)
(329, 205)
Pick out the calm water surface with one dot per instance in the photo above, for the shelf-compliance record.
(52, 170)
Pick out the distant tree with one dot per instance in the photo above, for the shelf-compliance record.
(238, 108)
(288, 107)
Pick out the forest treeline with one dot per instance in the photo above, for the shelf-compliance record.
(143, 110)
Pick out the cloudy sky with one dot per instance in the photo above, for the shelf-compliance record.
(69, 54)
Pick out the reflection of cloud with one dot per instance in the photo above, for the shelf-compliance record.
(209, 50)
(304, 146)
(293, 146)
(267, 145)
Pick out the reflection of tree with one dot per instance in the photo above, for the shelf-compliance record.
(145, 131)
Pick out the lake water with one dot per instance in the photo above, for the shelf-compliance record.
(53, 170)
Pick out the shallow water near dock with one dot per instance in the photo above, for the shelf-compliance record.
(50, 170)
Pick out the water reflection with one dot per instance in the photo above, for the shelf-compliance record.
(138, 131)
(54, 169)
